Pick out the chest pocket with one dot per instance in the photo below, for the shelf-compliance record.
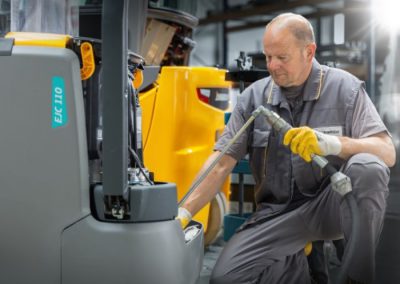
(260, 138)
(257, 152)
(270, 162)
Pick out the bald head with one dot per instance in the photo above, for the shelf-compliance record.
(289, 49)
(296, 24)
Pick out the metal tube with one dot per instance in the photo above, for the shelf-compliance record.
(212, 165)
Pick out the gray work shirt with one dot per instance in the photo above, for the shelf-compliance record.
(334, 102)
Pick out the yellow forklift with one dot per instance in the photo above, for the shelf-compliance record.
(183, 115)
(183, 109)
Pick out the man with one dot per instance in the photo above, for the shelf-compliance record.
(333, 117)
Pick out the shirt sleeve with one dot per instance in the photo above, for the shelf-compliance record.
(238, 149)
(366, 120)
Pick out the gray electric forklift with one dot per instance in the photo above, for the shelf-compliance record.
(76, 203)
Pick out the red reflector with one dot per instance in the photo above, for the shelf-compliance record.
(204, 95)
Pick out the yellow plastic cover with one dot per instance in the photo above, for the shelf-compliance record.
(138, 81)
(179, 130)
(39, 39)
(88, 64)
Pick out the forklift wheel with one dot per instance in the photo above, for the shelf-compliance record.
(218, 209)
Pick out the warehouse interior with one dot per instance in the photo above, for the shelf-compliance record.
(110, 109)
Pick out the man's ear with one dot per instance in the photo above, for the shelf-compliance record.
(310, 50)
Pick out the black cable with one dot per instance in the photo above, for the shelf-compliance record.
(130, 119)
(131, 126)
(354, 236)
(132, 101)
(140, 166)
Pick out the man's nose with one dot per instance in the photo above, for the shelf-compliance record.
(272, 64)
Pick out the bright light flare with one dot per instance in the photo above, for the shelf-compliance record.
(386, 13)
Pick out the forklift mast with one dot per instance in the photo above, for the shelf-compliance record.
(115, 98)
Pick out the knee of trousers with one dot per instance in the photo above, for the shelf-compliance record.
(224, 278)
(369, 175)
(219, 280)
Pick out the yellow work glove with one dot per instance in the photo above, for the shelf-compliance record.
(184, 217)
(308, 249)
(306, 142)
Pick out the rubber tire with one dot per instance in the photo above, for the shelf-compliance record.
(218, 209)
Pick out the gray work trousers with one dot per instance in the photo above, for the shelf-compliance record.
(272, 252)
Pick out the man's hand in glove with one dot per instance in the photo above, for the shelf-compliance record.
(305, 142)
(184, 217)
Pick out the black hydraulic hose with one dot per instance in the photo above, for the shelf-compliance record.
(355, 230)
(131, 122)
(140, 167)
(354, 235)
(135, 161)
(330, 169)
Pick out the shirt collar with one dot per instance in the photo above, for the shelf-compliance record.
(311, 90)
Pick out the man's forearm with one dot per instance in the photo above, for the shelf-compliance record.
(379, 145)
(206, 191)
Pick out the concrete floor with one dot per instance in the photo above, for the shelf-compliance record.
(211, 254)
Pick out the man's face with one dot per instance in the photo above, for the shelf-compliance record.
(288, 60)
